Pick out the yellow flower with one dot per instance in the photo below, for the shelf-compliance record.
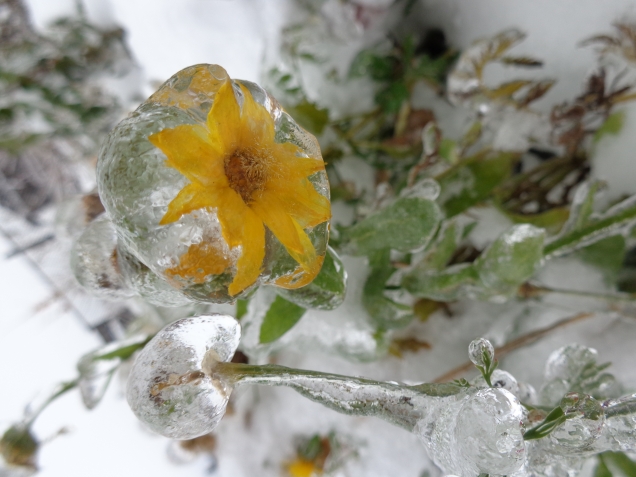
(235, 166)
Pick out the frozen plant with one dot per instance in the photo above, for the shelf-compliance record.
(181, 382)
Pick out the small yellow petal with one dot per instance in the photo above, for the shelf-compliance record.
(302, 202)
(299, 277)
(250, 263)
(223, 120)
(257, 125)
(200, 261)
(192, 197)
(189, 150)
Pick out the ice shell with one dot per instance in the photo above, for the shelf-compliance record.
(619, 432)
(488, 432)
(568, 362)
(167, 387)
(94, 260)
(479, 349)
(583, 426)
(502, 380)
(136, 186)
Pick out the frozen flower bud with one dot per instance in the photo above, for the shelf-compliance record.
(170, 388)
(488, 433)
(584, 424)
(481, 350)
(18, 448)
(215, 189)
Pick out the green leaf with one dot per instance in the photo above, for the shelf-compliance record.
(619, 463)
(310, 116)
(612, 126)
(327, 291)
(614, 222)
(449, 151)
(445, 246)
(124, 352)
(601, 469)
(448, 285)
(386, 313)
(379, 68)
(473, 180)
(551, 422)
(512, 258)
(407, 224)
(279, 319)
(391, 98)
(241, 308)
(607, 254)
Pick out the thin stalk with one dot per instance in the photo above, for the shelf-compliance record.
(60, 391)
(626, 297)
(399, 404)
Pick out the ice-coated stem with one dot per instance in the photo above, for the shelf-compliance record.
(399, 404)
(626, 407)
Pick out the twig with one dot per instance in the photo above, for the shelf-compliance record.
(517, 343)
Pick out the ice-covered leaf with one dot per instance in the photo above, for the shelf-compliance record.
(473, 180)
(620, 463)
(613, 222)
(310, 116)
(407, 224)
(385, 312)
(444, 247)
(512, 258)
(451, 284)
(607, 254)
(328, 289)
(281, 316)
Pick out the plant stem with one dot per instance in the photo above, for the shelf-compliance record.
(399, 404)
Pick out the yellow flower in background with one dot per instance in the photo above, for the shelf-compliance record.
(235, 166)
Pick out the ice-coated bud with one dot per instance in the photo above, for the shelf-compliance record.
(584, 424)
(488, 433)
(500, 379)
(170, 388)
(94, 260)
(18, 452)
(568, 362)
(479, 350)
(215, 189)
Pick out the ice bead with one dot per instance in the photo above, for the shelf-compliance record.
(500, 379)
(476, 432)
(488, 432)
(569, 361)
(168, 387)
(480, 351)
(94, 260)
(215, 189)
(583, 426)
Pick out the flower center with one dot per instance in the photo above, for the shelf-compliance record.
(245, 174)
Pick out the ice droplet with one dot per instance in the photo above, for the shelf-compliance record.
(583, 426)
(168, 388)
(479, 350)
(94, 260)
(568, 362)
(488, 432)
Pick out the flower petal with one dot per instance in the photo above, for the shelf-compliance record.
(200, 261)
(257, 125)
(287, 230)
(190, 151)
(224, 119)
(250, 263)
(302, 202)
(192, 197)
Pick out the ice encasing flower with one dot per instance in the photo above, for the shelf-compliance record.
(215, 188)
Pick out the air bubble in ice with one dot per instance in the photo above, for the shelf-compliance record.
(169, 387)
(479, 350)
